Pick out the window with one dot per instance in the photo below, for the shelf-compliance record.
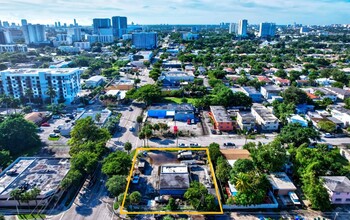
(337, 193)
(347, 200)
(338, 200)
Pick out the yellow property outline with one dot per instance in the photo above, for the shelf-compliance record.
(170, 212)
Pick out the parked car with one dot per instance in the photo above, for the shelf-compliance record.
(45, 124)
(182, 145)
(67, 121)
(131, 128)
(213, 131)
(56, 131)
(39, 130)
(229, 144)
(53, 135)
(131, 109)
(194, 144)
(328, 135)
(56, 117)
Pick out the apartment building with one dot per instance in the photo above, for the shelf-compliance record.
(264, 118)
(245, 120)
(6, 48)
(222, 120)
(65, 82)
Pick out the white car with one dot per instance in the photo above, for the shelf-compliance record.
(328, 135)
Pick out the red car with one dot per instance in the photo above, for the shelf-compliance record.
(45, 124)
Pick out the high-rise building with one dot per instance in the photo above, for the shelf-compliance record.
(34, 33)
(56, 24)
(75, 23)
(233, 28)
(66, 83)
(99, 23)
(120, 25)
(145, 40)
(59, 24)
(23, 22)
(6, 24)
(242, 27)
(74, 34)
(267, 29)
(0, 24)
(2, 37)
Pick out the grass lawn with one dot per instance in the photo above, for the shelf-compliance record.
(33, 216)
(54, 138)
(178, 100)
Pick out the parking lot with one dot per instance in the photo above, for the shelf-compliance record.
(186, 129)
(53, 125)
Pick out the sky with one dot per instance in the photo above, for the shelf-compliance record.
(178, 11)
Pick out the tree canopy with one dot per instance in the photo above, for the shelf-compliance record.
(294, 133)
(116, 163)
(147, 93)
(18, 135)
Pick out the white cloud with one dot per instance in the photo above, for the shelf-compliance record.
(178, 11)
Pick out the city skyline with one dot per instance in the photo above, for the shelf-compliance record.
(179, 11)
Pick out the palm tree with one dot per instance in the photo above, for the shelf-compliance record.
(148, 134)
(29, 94)
(35, 192)
(51, 93)
(142, 136)
(17, 195)
(6, 100)
(242, 182)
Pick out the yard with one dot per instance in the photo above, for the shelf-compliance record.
(179, 100)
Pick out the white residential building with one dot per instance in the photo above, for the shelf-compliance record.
(66, 83)
(341, 114)
(233, 28)
(11, 48)
(83, 45)
(265, 118)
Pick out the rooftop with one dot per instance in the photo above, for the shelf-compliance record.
(174, 168)
(96, 78)
(235, 154)
(37, 71)
(338, 90)
(174, 181)
(172, 107)
(272, 88)
(280, 180)
(104, 115)
(250, 90)
(264, 113)
(337, 183)
(43, 173)
(220, 114)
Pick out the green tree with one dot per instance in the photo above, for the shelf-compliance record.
(295, 95)
(29, 94)
(139, 119)
(116, 184)
(196, 194)
(116, 163)
(171, 205)
(16, 194)
(5, 158)
(121, 198)
(147, 93)
(327, 126)
(98, 117)
(13, 130)
(51, 93)
(128, 146)
(347, 103)
(85, 130)
(214, 152)
(241, 166)
(135, 197)
(85, 162)
(72, 178)
(296, 134)
(222, 169)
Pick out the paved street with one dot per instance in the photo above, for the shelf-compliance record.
(91, 203)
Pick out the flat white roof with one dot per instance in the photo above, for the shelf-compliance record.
(280, 180)
(174, 168)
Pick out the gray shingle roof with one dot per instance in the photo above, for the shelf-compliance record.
(339, 184)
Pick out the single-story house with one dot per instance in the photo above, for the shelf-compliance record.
(94, 81)
(281, 184)
(232, 155)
